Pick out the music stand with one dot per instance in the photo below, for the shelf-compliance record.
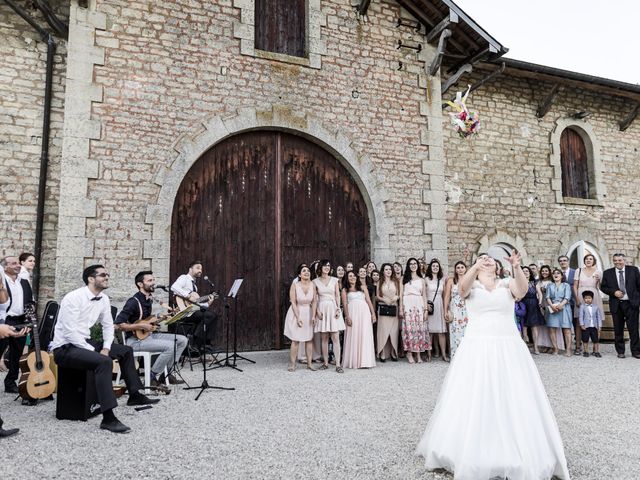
(226, 362)
(178, 318)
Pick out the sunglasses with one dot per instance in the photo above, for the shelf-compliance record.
(103, 275)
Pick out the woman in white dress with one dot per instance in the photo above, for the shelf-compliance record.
(330, 322)
(477, 430)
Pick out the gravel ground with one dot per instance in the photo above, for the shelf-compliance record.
(314, 425)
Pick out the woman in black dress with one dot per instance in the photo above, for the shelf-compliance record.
(533, 316)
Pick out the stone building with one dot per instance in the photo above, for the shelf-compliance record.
(255, 136)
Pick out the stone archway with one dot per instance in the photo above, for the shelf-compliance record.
(213, 130)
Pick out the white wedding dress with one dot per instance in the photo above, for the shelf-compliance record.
(493, 418)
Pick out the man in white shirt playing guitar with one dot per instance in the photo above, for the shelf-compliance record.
(186, 292)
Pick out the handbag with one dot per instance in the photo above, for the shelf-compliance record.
(387, 310)
(430, 306)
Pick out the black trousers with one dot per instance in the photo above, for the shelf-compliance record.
(629, 315)
(16, 346)
(201, 320)
(70, 356)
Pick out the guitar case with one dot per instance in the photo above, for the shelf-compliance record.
(48, 323)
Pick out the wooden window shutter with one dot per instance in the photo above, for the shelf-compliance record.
(281, 26)
(575, 165)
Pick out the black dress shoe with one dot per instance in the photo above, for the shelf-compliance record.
(621, 355)
(140, 399)
(636, 355)
(115, 426)
(11, 389)
(8, 432)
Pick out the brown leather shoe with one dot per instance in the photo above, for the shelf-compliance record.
(160, 387)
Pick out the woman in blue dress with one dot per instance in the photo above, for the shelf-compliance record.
(559, 311)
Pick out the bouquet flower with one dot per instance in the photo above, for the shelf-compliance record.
(464, 122)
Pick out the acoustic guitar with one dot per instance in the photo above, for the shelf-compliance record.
(37, 380)
(182, 303)
(153, 321)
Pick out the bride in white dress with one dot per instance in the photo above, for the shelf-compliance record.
(493, 418)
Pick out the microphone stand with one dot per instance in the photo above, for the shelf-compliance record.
(174, 367)
(205, 385)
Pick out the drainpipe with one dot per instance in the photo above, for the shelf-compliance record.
(44, 152)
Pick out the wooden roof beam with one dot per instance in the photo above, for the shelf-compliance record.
(628, 120)
(363, 6)
(442, 44)
(473, 59)
(480, 83)
(453, 79)
(427, 22)
(445, 23)
(546, 104)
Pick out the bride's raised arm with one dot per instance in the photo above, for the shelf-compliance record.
(466, 282)
(518, 284)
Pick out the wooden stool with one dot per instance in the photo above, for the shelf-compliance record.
(77, 398)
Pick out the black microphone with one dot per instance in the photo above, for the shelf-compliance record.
(206, 279)
(163, 287)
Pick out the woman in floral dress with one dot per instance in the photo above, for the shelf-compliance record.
(415, 332)
(454, 307)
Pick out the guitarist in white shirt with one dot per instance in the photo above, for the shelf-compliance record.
(185, 287)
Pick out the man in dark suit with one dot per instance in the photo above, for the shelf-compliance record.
(20, 295)
(569, 276)
(622, 284)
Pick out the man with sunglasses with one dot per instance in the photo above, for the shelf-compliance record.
(73, 348)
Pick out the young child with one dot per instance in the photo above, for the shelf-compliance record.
(591, 322)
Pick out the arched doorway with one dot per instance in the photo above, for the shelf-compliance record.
(255, 206)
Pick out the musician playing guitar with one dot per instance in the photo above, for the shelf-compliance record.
(185, 287)
(137, 309)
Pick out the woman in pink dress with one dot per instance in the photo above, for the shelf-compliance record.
(359, 351)
(389, 295)
(301, 317)
(415, 331)
(330, 322)
(586, 278)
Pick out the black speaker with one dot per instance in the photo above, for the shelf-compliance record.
(77, 398)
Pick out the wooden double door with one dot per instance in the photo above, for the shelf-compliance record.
(254, 207)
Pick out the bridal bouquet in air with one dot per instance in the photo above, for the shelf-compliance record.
(464, 121)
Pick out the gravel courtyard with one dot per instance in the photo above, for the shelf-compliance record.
(316, 425)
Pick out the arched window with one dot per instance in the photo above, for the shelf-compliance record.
(578, 250)
(575, 165)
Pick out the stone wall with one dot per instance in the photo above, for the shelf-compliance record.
(500, 184)
(22, 82)
(164, 72)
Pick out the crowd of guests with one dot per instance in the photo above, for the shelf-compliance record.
(352, 317)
